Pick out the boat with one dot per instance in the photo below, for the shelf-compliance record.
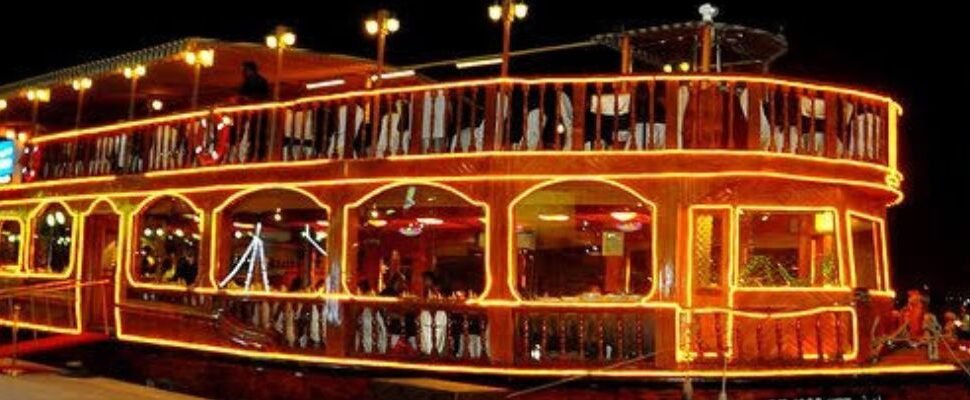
(691, 215)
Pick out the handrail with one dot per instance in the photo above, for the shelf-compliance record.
(48, 287)
(604, 113)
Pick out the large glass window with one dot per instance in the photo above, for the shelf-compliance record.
(52, 240)
(787, 248)
(866, 244)
(583, 238)
(9, 245)
(168, 245)
(277, 241)
(419, 240)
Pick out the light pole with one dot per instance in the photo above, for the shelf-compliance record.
(381, 25)
(81, 86)
(507, 11)
(133, 74)
(198, 60)
(281, 39)
(37, 96)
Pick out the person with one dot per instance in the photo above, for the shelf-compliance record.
(254, 86)
(148, 266)
(963, 323)
(931, 336)
(186, 270)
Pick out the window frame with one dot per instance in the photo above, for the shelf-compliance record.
(17, 269)
(135, 227)
(513, 266)
(843, 284)
(882, 273)
(28, 263)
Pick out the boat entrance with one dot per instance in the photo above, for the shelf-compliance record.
(99, 259)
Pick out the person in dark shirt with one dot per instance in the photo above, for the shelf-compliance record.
(254, 86)
(186, 270)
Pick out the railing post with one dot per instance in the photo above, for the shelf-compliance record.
(672, 107)
(755, 96)
(831, 102)
(12, 370)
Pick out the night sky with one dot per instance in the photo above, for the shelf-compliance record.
(912, 52)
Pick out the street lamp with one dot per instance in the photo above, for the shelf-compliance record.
(281, 39)
(198, 60)
(133, 74)
(381, 25)
(3, 104)
(37, 96)
(80, 85)
(507, 11)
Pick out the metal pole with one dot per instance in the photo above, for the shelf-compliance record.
(507, 15)
(381, 43)
(12, 369)
(197, 75)
(80, 107)
(131, 97)
(271, 142)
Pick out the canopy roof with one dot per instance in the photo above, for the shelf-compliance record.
(170, 80)
(674, 43)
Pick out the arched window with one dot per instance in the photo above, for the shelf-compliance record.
(169, 231)
(583, 238)
(52, 235)
(779, 248)
(276, 240)
(9, 245)
(418, 240)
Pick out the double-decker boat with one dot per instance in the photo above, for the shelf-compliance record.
(691, 215)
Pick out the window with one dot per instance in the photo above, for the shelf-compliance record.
(867, 253)
(168, 245)
(52, 240)
(277, 241)
(9, 245)
(788, 248)
(418, 240)
(583, 238)
(710, 247)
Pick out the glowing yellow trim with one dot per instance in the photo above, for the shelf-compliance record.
(134, 219)
(512, 267)
(690, 245)
(537, 153)
(31, 227)
(58, 182)
(892, 127)
(881, 289)
(16, 271)
(539, 372)
(345, 274)
(478, 178)
(214, 243)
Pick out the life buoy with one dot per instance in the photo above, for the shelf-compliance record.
(221, 148)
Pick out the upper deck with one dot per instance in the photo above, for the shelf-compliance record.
(750, 120)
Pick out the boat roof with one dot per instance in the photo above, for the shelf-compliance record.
(673, 43)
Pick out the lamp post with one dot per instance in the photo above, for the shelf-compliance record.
(381, 25)
(133, 74)
(37, 96)
(81, 86)
(281, 39)
(506, 12)
(198, 60)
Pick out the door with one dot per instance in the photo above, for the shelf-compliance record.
(99, 262)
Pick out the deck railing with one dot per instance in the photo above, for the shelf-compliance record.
(622, 113)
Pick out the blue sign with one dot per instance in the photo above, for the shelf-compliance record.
(7, 160)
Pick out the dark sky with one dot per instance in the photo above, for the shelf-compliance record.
(911, 52)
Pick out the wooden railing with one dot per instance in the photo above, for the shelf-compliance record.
(781, 338)
(440, 331)
(574, 114)
(575, 336)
